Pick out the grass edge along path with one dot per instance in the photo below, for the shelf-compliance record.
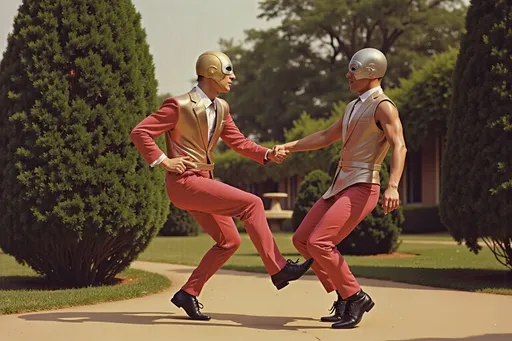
(21, 289)
(434, 265)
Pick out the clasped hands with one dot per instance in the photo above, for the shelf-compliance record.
(278, 153)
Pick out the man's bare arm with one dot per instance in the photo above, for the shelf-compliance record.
(317, 140)
(388, 118)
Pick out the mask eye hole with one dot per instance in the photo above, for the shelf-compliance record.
(354, 66)
(228, 69)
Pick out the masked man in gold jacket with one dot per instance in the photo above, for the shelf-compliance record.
(192, 124)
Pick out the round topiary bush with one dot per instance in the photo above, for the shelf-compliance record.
(77, 201)
(179, 223)
(333, 165)
(239, 225)
(315, 184)
(377, 233)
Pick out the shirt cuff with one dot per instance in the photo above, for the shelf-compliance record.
(159, 160)
(266, 155)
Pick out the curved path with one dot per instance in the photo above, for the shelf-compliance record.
(246, 307)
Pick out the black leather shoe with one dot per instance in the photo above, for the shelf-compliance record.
(190, 304)
(356, 306)
(337, 310)
(291, 272)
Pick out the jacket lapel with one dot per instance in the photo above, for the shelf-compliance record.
(200, 112)
(218, 122)
(357, 115)
(346, 115)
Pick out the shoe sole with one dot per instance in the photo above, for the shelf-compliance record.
(282, 285)
(330, 321)
(367, 309)
(333, 320)
(173, 301)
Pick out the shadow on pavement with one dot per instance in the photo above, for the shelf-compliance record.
(486, 337)
(145, 318)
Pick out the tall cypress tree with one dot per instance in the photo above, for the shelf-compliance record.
(77, 202)
(476, 196)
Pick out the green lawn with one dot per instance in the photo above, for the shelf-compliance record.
(443, 236)
(22, 290)
(445, 266)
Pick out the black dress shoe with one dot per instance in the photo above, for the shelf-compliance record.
(356, 306)
(337, 310)
(291, 272)
(190, 304)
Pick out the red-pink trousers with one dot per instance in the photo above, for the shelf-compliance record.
(327, 223)
(213, 204)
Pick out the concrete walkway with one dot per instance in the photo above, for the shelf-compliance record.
(246, 307)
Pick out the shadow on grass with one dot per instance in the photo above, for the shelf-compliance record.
(285, 254)
(154, 318)
(490, 281)
(295, 255)
(38, 283)
(486, 337)
(498, 281)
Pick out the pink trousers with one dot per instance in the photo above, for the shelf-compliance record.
(213, 204)
(326, 225)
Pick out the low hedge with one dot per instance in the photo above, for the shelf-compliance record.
(179, 223)
(422, 219)
(376, 234)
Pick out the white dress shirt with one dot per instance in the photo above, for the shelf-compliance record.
(211, 114)
(211, 111)
(363, 97)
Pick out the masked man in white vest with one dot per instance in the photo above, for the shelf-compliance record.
(368, 128)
